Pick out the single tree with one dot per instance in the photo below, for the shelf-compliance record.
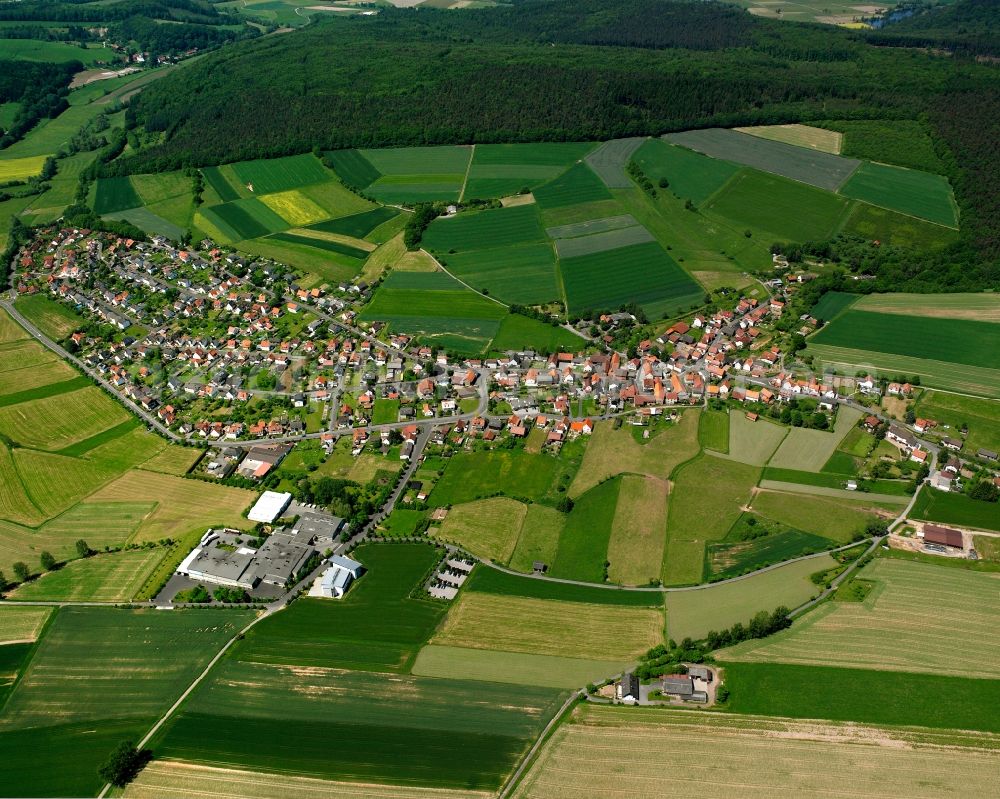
(48, 562)
(21, 571)
(82, 549)
(124, 764)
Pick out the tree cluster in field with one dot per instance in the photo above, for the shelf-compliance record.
(761, 625)
(670, 659)
(423, 214)
(40, 89)
(642, 180)
(124, 764)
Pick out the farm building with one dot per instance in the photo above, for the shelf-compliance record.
(627, 690)
(334, 582)
(945, 536)
(269, 507)
(681, 685)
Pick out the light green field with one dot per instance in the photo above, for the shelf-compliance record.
(115, 577)
(691, 175)
(58, 52)
(916, 618)
(638, 532)
(488, 528)
(694, 613)
(809, 450)
(56, 422)
(908, 191)
(53, 318)
(981, 415)
(898, 230)
(15, 504)
(56, 482)
(753, 443)
(550, 671)
(832, 517)
(22, 624)
(10, 331)
(13, 381)
(539, 539)
(173, 460)
(544, 627)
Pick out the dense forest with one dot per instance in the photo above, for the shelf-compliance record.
(971, 27)
(39, 88)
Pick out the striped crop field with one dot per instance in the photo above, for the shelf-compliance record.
(908, 191)
(58, 421)
(111, 577)
(578, 185)
(22, 623)
(983, 307)
(915, 619)
(826, 141)
(115, 194)
(503, 169)
(280, 174)
(615, 752)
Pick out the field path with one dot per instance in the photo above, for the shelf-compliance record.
(515, 778)
(468, 169)
(454, 277)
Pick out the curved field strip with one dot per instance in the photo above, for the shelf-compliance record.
(916, 619)
(622, 753)
(56, 422)
(15, 504)
(612, 452)
(610, 159)
(174, 778)
(826, 141)
(544, 627)
(114, 577)
(716, 607)
(21, 624)
(488, 528)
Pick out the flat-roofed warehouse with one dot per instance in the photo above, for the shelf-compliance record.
(947, 536)
(269, 507)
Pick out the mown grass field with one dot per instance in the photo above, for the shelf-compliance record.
(638, 532)
(169, 777)
(832, 304)
(691, 175)
(58, 421)
(715, 607)
(641, 273)
(826, 692)
(491, 581)
(753, 443)
(376, 627)
(549, 627)
(657, 753)
(782, 207)
(908, 191)
(10, 331)
(173, 460)
(915, 619)
(825, 141)
(831, 517)
(519, 333)
(576, 186)
(602, 240)
(713, 431)
(809, 450)
(550, 671)
(612, 452)
(696, 516)
(982, 307)
(488, 528)
(474, 475)
(18, 385)
(936, 506)
(436, 307)
(22, 624)
(115, 194)
(99, 676)
(114, 577)
(586, 535)
(408, 730)
(592, 226)
(539, 538)
(819, 169)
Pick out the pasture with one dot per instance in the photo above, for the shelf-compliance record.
(638, 532)
(659, 753)
(584, 541)
(146, 219)
(488, 528)
(914, 620)
(696, 516)
(610, 159)
(19, 624)
(825, 141)
(21, 168)
(538, 539)
(691, 175)
(115, 194)
(474, 475)
(518, 332)
(408, 730)
(280, 174)
(174, 460)
(549, 671)
(57, 421)
(485, 580)
(936, 506)
(781, 207)
(641, 273)
(713, 431)
(550, 627)
(826, 692)
(715, 607)
(613, 452)
(981, 415)
(812, 167)
(378, 626)
(177, 777)
(437, 308)
(113, 577)
(809, 450)
(753, 443)
(899, 230)
(838, 518)
(576, 186)
(908, 191)
(498, 170)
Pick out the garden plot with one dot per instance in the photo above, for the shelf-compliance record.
(663, 754)
(915, 619)
(823, 170)
(809, 450)
(545, 627)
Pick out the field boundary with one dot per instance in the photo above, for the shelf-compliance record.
(468, 169)
(458, 279)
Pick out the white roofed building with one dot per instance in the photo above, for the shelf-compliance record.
(269, 507)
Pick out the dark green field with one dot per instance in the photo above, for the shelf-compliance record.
(959, 341)
(357, 225)
(908, 191)
(524, 274)
(280, 174)
(353, 168)
(484, 230)
(583, 543)
(691, 175)
(641, 273)
(217, 181)
(519, 332)
(936, 506)
(831, 304)
(577, 185)
(899, 230)
(322, 244)
(376, 627)
(248, 219)
(485, 580)
(502, 169)
(474, 475)
(732, 557)
(872, 697)
(115, 194)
